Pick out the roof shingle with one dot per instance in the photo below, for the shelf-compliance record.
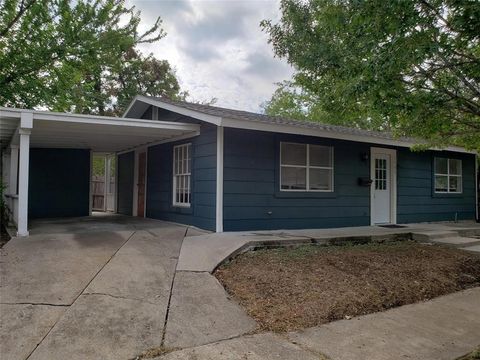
(277, 120)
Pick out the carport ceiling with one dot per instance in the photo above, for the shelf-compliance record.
(100, 133)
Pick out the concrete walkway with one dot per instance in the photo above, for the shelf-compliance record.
(206, 252)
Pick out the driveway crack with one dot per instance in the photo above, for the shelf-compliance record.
(164, 332)
(31, 303)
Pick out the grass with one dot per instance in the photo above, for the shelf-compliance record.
(287, 289)
(153, 352)
(474, 355)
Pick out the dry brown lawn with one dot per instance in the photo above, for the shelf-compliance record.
(292, 288)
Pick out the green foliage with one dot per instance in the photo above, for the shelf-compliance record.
(77, 56)
(409, 66)
(98, 166)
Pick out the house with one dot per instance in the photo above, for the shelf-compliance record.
(227, 170)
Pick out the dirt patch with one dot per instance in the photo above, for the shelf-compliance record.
(289, 289)
(154, 352)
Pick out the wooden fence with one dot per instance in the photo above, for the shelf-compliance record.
(98, 192)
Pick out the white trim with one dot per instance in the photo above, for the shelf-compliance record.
(297, 130)
(165, 141)
(393, 182)
(106, 180)
(137, 153)
(97, 119)
(145, 184)
(216, 120)
(13, 174)
(307, 168)
(280, 128)
(23, 170)
(447, 175)
(115, 202)
(174, 176)
(90, 191)
(219, 180)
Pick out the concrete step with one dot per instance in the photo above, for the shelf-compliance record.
(433, 235)
(474, 248)
(457, 241)
(474, 232)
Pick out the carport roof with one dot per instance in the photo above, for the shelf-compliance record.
(99, 133)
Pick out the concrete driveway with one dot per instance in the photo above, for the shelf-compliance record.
(111, 287)
(87, 288)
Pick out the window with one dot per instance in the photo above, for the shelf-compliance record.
(305, 167)
(182, 164)
(448, 175)
(380, 174)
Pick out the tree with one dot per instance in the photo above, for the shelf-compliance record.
(409, 66)
(77, 56)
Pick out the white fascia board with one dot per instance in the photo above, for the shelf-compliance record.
(129, 107)
(296, 130)
(215, 120)
(103, 120)
(99, 120)
(12, 112)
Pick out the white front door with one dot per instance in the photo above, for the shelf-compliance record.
(383, 188)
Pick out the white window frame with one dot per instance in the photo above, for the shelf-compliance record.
(307, 166)
(448, 176)
(187, 174)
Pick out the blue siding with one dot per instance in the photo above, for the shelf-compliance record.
(160, 181)
(417, 201)
(125, 183)
(252, 199)
(59, 183)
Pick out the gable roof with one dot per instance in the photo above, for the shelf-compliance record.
(253, 121)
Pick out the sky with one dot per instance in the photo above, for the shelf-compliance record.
(218, 48)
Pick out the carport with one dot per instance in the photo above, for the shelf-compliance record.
(37, 144)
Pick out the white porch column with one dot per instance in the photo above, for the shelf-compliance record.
(12, 180)
(26, 125)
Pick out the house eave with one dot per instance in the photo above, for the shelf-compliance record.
(284, 128)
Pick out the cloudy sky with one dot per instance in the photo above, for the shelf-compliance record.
(218, 48)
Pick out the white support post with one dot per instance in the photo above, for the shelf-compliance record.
(26, 124)
(90, 186)
(12, 182)
(219, 193)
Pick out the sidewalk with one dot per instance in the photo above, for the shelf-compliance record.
(207, 251)
(444, 328)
